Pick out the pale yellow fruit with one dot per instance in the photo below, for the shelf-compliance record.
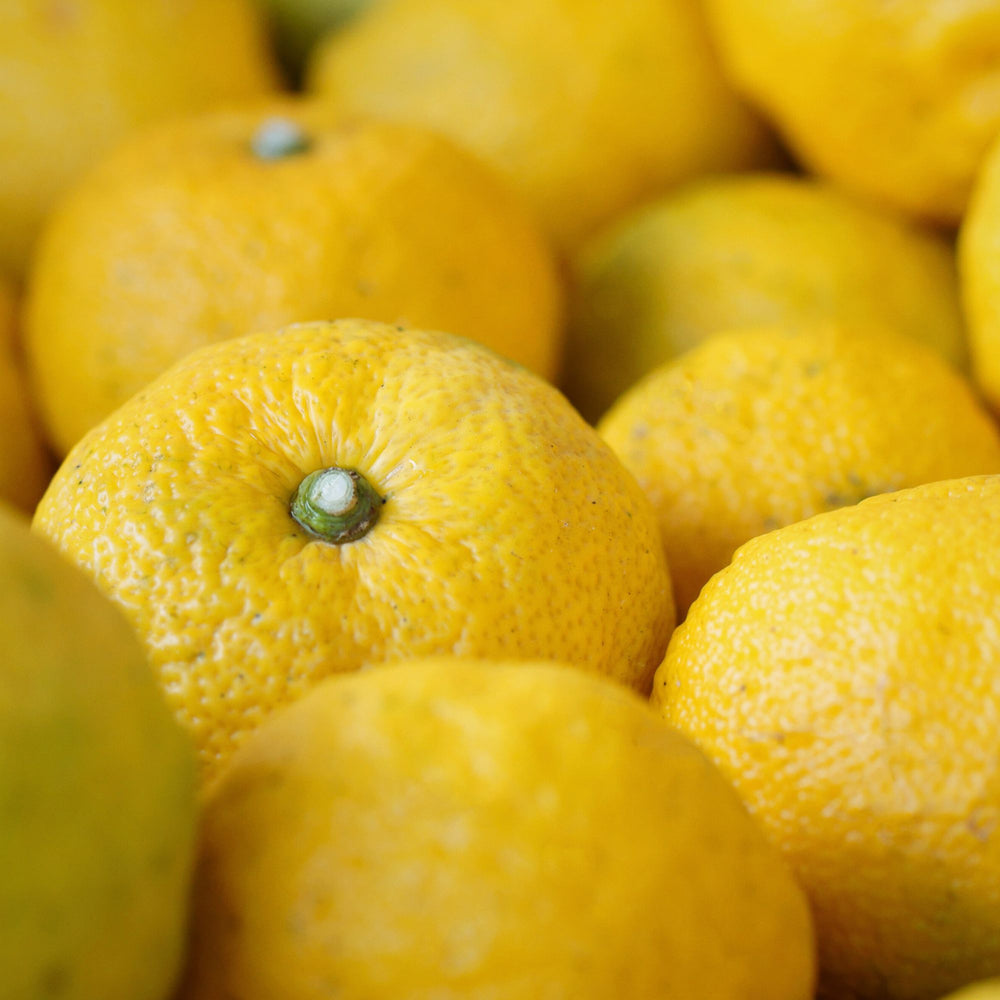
(252, 217)
(474, 829)
(842, 672)
(897, 101)
(588, 107)
(744, 250)
(760, 427)
(77, 76)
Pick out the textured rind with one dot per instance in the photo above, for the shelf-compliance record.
(486, 829)
(842, 673)
(760, 427)
(509, 527)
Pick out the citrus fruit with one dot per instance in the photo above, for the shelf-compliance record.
(25, 466)
(97, 791)
(759, 427)
(75, 77)
(292, 504)
(452, 828)
(978, 244)
(587, 107)
(895, 101)
(841, 671)
(244, 220)
(743, 250)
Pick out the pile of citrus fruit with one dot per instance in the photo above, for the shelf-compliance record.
(499, 501)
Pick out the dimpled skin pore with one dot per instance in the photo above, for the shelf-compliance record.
(508, 528)
(842, 673)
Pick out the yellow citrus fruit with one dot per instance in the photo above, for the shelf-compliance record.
(896, 101)
(842, 673)
(761, 427)
(244, 220)
(744, 250)
(979, 273)
(75, 77)
(25, 465)
(451, 828)
(587, 107)
(97, 791)
(486, 518)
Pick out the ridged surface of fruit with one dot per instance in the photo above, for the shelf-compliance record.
(509, 528)
(842, 673)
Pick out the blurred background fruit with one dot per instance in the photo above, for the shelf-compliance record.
(744, 250)
(587, 107)
(508, 527)
(760, 427)
(399, 834)
(25, 465)
(77, 76)
(841, 671)
(979, 273)
(894, 101)
(97, 791)
(236, 221)
(296, 26)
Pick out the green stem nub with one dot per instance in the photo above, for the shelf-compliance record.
(336, 505)
(279, 137)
